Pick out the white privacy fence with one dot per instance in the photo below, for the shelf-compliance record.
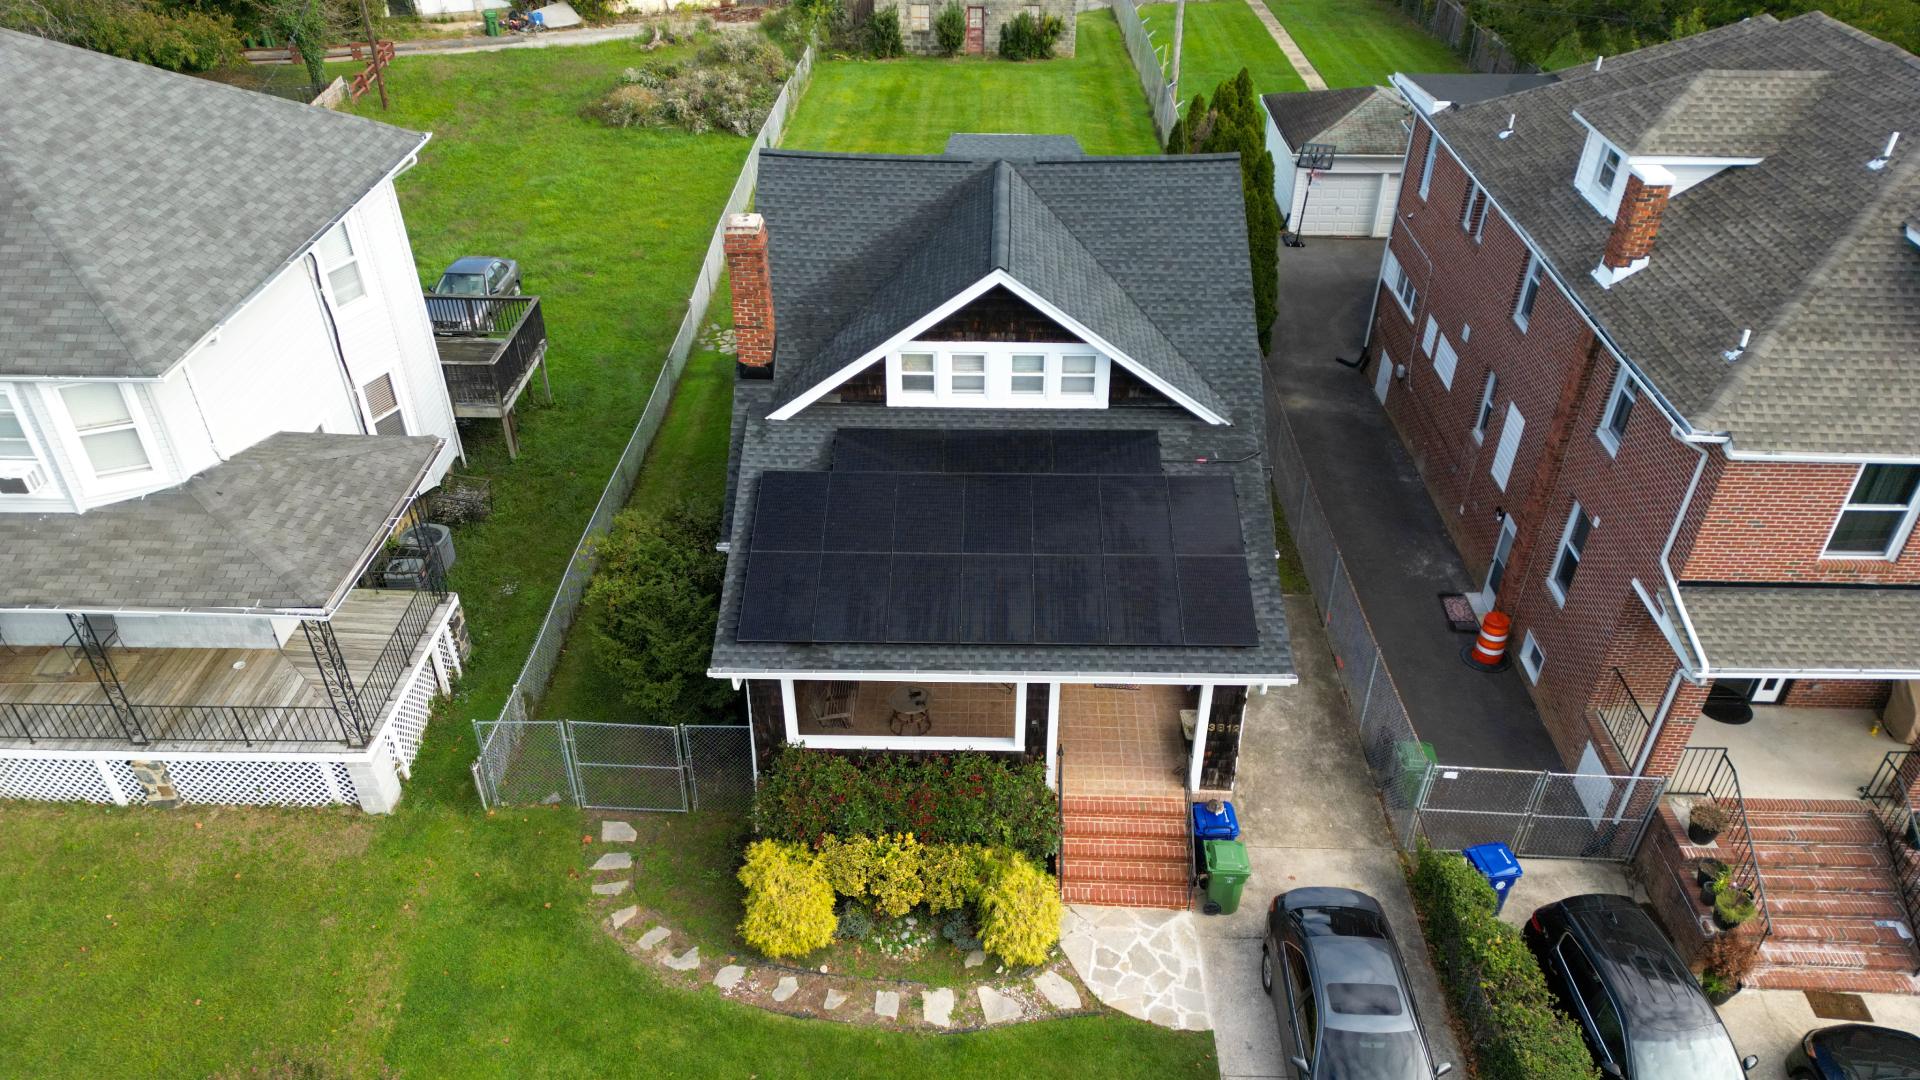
(1146, 64)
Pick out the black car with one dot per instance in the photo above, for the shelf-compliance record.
(1342, 1002)
(1856, 1052)
(1615, 973)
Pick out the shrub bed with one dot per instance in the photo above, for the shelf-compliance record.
(1025, 37)
(809, 795)
(1498, 991)
(730, 85)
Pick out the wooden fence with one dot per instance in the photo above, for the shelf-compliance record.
(1449, 21)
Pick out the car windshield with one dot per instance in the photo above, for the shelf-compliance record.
(1871, 1053)
(462, 285)
(1697, 1055)
(1371, 1055)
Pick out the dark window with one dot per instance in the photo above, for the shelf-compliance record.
(1602, 1020)
(1878, 513)
(1474, 220)
(1304, 1017)
(1486, 407)
(1609, 169)
(1363, 999)
(1572, 544)
(1620, 410)
(1529, 293)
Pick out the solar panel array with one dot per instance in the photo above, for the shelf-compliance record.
(1073, 538)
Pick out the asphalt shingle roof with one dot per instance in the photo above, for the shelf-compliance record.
(281, 526)
(1012, 147)
(1365, 120)
(1804, 249)
(1782, 628)
(139, 207)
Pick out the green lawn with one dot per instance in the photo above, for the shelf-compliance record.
(911, 106)
(1220, 38)
(1360, 42)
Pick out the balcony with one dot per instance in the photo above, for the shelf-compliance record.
(489, 348)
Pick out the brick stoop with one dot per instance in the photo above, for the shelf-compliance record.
(1126, 851)
(1831, 896)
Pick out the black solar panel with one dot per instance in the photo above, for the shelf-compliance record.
(1206, 517)
(929, 513)
(995, 451)
(1133, 515)
(999, 514)
(889, 450)
(1142, 600)
(999, 451)
(790, 512)
(1216, 602)
(996, 599)
(923, 600)
(851, 601)
(1066, 600)
(1066, 515)
(777, 603)
(1106, 452)
(860, 511)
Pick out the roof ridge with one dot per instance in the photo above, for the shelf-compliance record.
(1002, 212)
(31, 203)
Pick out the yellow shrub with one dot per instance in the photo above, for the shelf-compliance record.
(951, 875)
(789, 903)
(1020, 912)
(848, 864)
(893, 874)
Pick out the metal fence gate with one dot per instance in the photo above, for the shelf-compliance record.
(1543, 814)
(600, 766)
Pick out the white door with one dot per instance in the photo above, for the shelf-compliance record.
(1383, 377)
(1339, 204)
(1767, 691)
(1497, 569)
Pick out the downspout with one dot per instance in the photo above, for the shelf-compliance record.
(194, 393)
(1659, 722)
(1700, 677)
(333, 335)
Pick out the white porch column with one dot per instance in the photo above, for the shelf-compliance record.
(1053, 735)
(111, 781)
(1199, 737)
(1020, 716)
(792, 710)
(375, 780)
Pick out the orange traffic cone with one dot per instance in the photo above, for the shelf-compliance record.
(1489, 651)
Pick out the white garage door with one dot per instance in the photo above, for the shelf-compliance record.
(1341, 204)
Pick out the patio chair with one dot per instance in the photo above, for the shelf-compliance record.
(834, 706)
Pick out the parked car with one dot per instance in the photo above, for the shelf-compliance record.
(1856, 1052)
(1342, 1003)
(1640, 1009)
(467, 282)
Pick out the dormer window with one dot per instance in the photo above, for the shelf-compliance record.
(1057, 375)
(1598, 178)
(1609, 169)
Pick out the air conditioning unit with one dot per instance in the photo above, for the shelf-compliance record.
(22, 478)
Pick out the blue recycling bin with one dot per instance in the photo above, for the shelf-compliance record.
(1208, 825)
(1497, 864)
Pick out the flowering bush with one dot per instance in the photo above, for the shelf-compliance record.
(1020, 913)
(789, 905)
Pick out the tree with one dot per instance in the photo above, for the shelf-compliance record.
(950, 29)
(1233, 125)
(656, 599)
(176, 38)
(309, 26)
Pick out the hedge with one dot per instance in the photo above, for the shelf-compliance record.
(809, 795)
(1498, 991)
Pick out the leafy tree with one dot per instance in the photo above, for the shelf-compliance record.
(307, 25)
(950, 29)
(1541, 33)
(657, 600)
(177, 38)
(1233, 126)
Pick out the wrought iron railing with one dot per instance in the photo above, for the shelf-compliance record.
(141, 725)
(79, 722)
(1889, 795)
(1060, 818)
(1620, 713)
(396, 656)
(487, 378)
(1707, 771)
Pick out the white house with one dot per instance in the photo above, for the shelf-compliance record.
(220, 395)
(1367, 127)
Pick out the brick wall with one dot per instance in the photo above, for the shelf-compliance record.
(1769, 521)
(1838, 693)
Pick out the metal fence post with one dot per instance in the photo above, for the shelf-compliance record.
(1527, 816)
(568, 757)
(690, 791)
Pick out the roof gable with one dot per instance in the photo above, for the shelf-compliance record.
(1363, 120)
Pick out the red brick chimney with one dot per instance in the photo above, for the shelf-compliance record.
(748, 270)
(1635, 224)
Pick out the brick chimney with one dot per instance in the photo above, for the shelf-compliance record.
(747, 268)
(1635, 224)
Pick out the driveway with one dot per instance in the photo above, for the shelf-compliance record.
(1384, 523)
(1309, 816)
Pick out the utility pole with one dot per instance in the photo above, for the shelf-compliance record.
(1179, 30)
(373, 49)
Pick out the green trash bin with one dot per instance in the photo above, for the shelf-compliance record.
(492, 18)
(1227, 872)
(1414, 759)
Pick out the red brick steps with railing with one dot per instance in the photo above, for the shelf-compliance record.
(1125, 851)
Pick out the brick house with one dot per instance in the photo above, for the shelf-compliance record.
(1647, 329)
(995, 481)
(984, 20)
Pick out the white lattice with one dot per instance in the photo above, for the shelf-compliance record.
(252, 783)
(52, 780)
(449, 652)
(343, 779)
(409, 724)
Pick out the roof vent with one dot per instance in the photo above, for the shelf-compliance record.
(1507, 132)
(1886, 155)
(1738, 350)
(1597, 61)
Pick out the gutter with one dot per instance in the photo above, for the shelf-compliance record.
(1157, 678)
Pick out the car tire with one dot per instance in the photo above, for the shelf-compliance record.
(1266, 970)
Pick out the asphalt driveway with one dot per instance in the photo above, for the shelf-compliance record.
(1385, 525)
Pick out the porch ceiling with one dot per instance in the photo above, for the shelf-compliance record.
(1807, 629)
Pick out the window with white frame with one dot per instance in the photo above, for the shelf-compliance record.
(919, 16)
(1573, 545)
(1529, 291)
(1511, 429)
(340, 264)
(1426, 165)
(1878, 515)
(1613, 424)
(1428, 335)
(108, 427)
(1474, 218)
(1484, 415)
(1399, 284)
(21, 472)
(383, 406)
(1600, 166)
(1532, 657)
(1027, 374)
(1445, 360)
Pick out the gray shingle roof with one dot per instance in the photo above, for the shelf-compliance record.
(283, 525)
(1714, 113)
(1366, 120)
(139, 207)
(863, 245)
(1804, 248)
(1012, 147)
(1783, 628)
(1467, 89)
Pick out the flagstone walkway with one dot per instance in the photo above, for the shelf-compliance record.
(1143, 962)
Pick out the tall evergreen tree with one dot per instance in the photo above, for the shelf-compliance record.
(1234, 126)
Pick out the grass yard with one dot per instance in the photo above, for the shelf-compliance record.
(1220, 38)
(1361, 42)
(910, 106)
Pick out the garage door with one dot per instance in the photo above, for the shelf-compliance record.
(1342, 204)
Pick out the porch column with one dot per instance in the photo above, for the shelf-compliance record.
(375, 780)
(1200, 737)
(1673, 729)
(1053, 735)
(792, 711)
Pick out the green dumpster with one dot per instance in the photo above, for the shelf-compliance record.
(1414, 757)
(1227, 871)
(492, 18)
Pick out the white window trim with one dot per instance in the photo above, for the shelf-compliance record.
(24, 468)
(1426, 167)
(1483, 414)
(1587, 179)
(1513, 423)
(1398, 284)
(399, 403)
(1529, 647)
(1536, 279)
(1426, 336)
(1476, 195)
(1901, 534)
(1560, 553)
(326, 271)
(1445, 360)
(999, 393)
(1623, 384)
(89, 482)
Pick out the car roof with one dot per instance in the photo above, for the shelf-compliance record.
(1652, 985)
(472, 264)
(1858, 1045)
(1367, 961)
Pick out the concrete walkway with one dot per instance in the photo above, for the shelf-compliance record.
(1309, 816)
(1383, 521)
(1285, 40)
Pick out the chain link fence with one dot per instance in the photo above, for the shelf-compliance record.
(1146, 64)
(600, 766)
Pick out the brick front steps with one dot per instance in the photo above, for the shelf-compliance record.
(1830, 893)
(1126, 851)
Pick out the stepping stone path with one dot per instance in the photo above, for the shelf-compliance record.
(624, 916)
(729, 977)
(611, 888)
(997, 1007)
(886, 1003)
(787, 987)
(617, 832)
(653, 937)
(976, 958)
(686, 961)
(614, 860)
(834, 1000)
(1059, 992)
(937, 1007)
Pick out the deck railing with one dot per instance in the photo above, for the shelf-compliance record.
(1889, 796)
(396, 656)
(141, 725)
(515, 323)
(1707, 771)
(1620, 713)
